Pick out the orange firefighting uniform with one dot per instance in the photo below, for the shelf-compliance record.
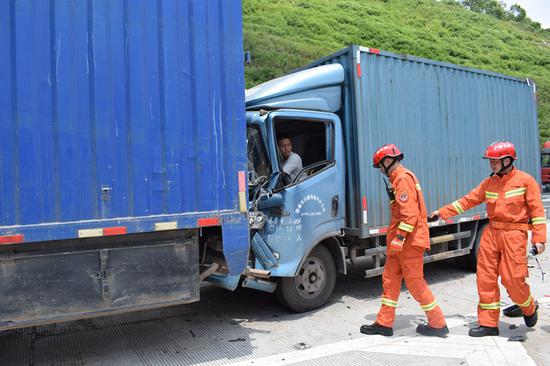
(513, 201)
(406, 261)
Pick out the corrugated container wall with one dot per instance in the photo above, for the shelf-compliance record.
(441, 116)
(119, 108)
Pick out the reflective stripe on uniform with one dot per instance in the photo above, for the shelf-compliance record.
(397, 243)
(538, 220)
(418, 187)
(515, 192)
(405, 227)
(430, 306)
(526, 303)
(491, 195)
(491, 306)
(389, 302)
(458, 207)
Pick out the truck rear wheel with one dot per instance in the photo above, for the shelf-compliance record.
(469, 261)
(312, 285)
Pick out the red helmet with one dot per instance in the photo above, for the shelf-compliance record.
(499, 150)
(389, 150)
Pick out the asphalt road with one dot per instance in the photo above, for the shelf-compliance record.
(249, 327)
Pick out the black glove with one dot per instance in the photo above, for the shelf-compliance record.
(433, 218)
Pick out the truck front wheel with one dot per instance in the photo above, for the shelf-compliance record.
(312, 285)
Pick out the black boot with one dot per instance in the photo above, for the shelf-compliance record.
(426, 330)
(482, 331)
(531, 320)
(376, 328)
(514, 311)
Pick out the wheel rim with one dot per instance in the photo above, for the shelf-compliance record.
(311, 278)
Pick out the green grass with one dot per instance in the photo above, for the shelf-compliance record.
(285, 34)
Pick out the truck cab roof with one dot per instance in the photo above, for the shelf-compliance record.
(318, 89)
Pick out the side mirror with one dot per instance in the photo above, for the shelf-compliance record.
(285, 178)
(267, 201)
(279, 182)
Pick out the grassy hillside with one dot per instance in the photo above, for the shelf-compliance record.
(285, 34)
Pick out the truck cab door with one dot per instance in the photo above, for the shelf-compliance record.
(313, 198)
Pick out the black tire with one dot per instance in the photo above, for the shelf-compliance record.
(313, 284)
(469, 261)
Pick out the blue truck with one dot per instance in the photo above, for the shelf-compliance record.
(133, 164)
(337, 112)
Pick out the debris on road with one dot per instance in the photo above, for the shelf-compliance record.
(301, 345)
(237, 340)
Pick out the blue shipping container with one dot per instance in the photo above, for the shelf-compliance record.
(128, 112)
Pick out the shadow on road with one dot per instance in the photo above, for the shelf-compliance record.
(224, 323)
(356, 285)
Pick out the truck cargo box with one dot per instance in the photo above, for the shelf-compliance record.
(122, 155)
(442, 116)
(126, 115)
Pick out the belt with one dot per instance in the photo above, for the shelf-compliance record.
(510, 225)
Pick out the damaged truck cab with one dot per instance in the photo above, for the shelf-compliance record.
(297, 223)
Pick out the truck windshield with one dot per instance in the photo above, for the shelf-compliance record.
(545, 160)
(258, 162)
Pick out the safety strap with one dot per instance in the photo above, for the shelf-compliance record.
(510, 225)
(504, 167)
(386, 170)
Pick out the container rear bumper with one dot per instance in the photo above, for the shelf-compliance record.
(43, 286)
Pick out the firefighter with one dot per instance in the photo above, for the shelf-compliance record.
(408, 238)
(514, 206)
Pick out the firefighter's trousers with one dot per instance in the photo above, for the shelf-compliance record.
(407, 265)
(504, 253)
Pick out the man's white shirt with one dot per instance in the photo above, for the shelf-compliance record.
(293, 165)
